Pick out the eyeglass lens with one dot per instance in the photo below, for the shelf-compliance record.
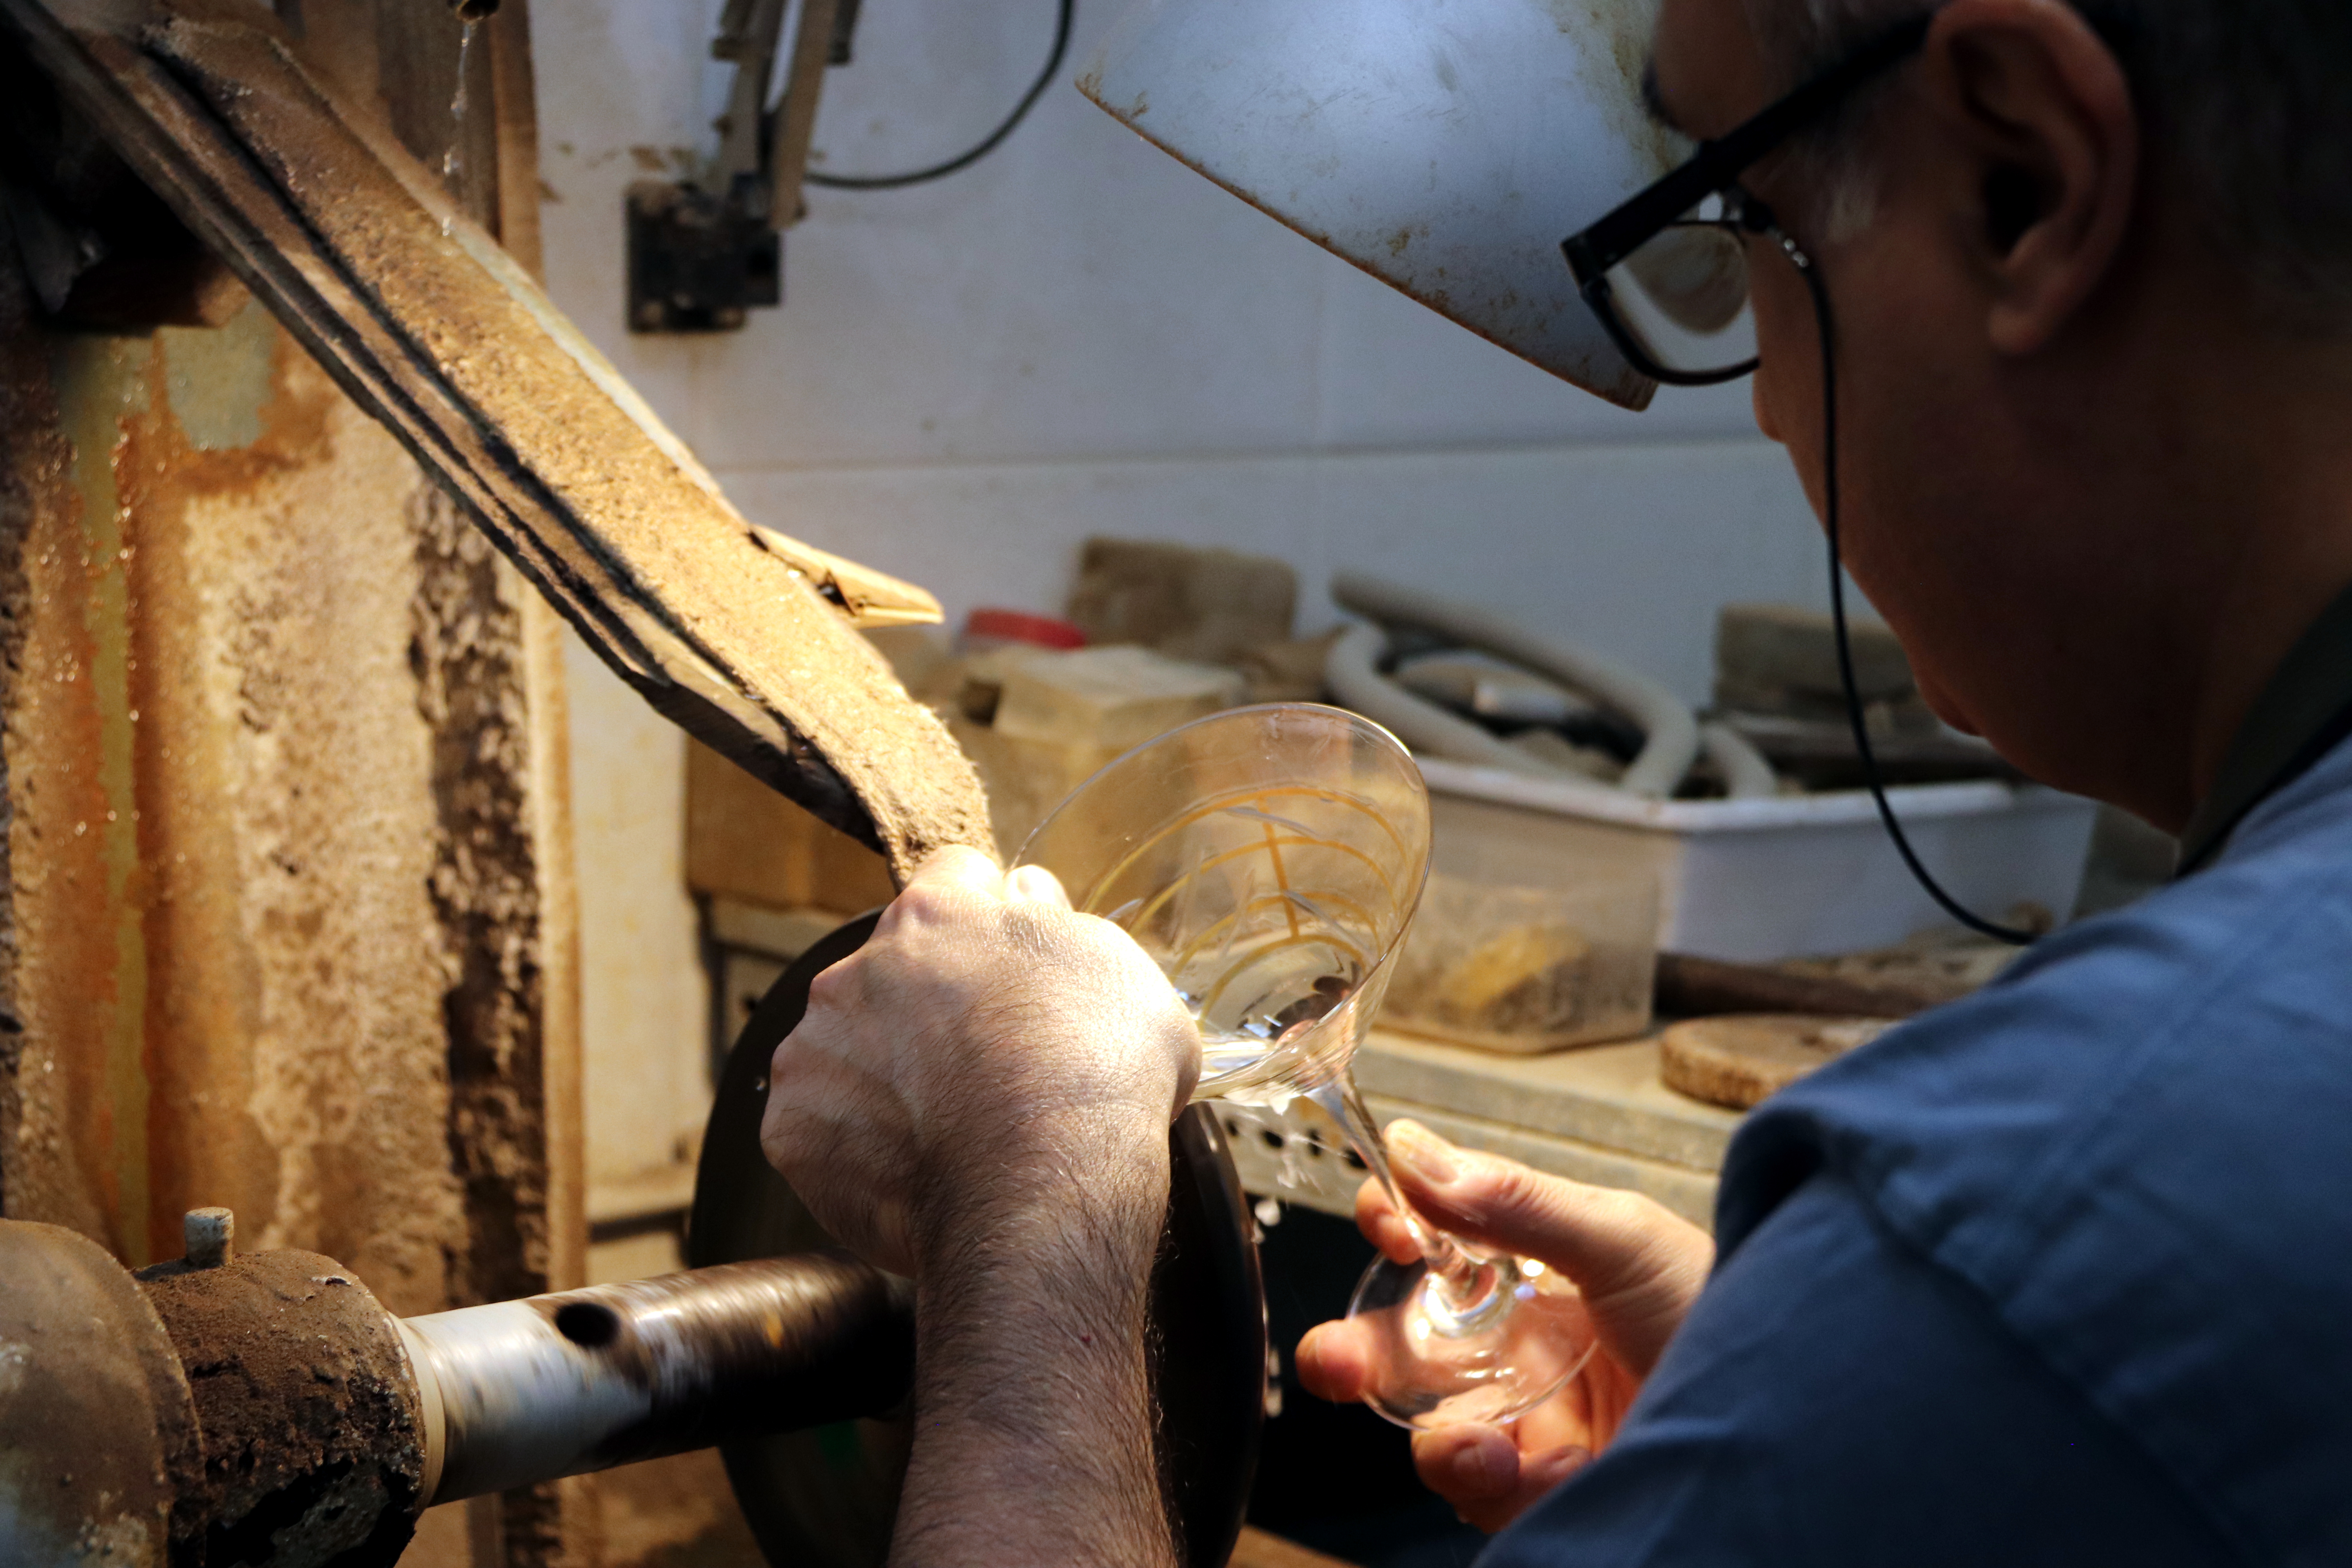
(1683, 297)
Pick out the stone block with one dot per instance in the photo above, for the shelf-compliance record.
(1215, 606)
(1765, 654)
(1113, 698)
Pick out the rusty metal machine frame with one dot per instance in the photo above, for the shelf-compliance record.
(740, 634)
(230, 1405)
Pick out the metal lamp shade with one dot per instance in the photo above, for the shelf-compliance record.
(1444, 146)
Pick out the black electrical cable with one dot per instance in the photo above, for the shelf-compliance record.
(967, 159)
(2014, 936)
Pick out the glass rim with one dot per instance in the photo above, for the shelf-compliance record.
(1224, 715)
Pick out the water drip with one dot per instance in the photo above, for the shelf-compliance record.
(453, 162)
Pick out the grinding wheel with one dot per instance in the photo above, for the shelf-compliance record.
(827, 1498)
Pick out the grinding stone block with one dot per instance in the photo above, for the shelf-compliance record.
(1766, 648)
(1114, 698)
(1188, 603)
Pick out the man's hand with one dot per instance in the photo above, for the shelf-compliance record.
(983, 1054)
(979, 1097)
(1638, 1267)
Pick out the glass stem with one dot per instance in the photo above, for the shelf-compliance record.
(1464, 1278)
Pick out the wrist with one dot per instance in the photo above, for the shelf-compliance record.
(1091, 1180)
(1054, 1272)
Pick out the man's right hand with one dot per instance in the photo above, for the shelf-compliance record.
(1639, 1266)
(978, 1097)
(987, 1059)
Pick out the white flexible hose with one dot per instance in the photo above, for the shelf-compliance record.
(1670, 730)
(1352, 671)
(1745, 774)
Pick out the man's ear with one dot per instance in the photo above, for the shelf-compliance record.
(2045, 116)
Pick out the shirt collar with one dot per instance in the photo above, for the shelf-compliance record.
(2300, 717)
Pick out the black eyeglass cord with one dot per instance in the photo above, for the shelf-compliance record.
(2013, 935)
(979, 149)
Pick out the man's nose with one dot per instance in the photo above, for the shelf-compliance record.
(1763, 404)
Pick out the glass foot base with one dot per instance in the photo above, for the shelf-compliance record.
(1442, 1362)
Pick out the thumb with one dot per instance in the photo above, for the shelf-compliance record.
(1638, 1265)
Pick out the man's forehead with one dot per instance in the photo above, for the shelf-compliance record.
(1705, 72)
(1654, 98)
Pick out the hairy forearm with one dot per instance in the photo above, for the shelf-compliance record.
(1033, 1405)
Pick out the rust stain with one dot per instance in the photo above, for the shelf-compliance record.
(251, 985)
(303, 968)
(108, 961)
(176, 460)
(309, 1414)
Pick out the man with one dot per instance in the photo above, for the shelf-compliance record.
(2056, 1275)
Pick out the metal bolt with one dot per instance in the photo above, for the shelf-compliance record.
(210, 1235)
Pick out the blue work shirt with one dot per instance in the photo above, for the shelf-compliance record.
(2059, 1274)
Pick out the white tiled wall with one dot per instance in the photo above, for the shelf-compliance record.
(1080, 336)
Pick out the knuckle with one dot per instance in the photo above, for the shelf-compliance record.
(832, 987)
(1502, 1189)
(924, 902)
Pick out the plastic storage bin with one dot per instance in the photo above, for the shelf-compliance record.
(1754, 880)
(1526, 968)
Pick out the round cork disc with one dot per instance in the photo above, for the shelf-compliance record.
(1736, 1061)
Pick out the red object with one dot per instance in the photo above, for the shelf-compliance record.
(1019, 626)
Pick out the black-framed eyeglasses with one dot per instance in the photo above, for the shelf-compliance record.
(1667, 275)
(1667, 272)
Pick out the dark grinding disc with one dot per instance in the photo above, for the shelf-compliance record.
(825, 1498)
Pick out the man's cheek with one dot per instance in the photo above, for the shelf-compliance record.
(1942, 703)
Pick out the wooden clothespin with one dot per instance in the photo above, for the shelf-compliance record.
(869, 598)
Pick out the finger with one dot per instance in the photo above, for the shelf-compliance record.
(1469, 1483)
(1467, 1465)
(1601, 1238)
(1539, 1473)
(1334, 1360)
(1035, 885)
(1377, 1217)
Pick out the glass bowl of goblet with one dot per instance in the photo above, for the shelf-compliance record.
(1269, 859)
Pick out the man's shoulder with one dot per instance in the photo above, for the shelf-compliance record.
(2136, 1150)
(2208, 1023)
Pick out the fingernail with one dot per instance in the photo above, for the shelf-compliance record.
(1475, 1470)
(1431, 1157)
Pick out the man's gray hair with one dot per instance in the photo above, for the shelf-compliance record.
(2249, 106)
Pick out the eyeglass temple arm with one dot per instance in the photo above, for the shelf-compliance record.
(1716, 164)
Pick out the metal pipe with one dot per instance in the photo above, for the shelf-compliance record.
(563, 1384)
